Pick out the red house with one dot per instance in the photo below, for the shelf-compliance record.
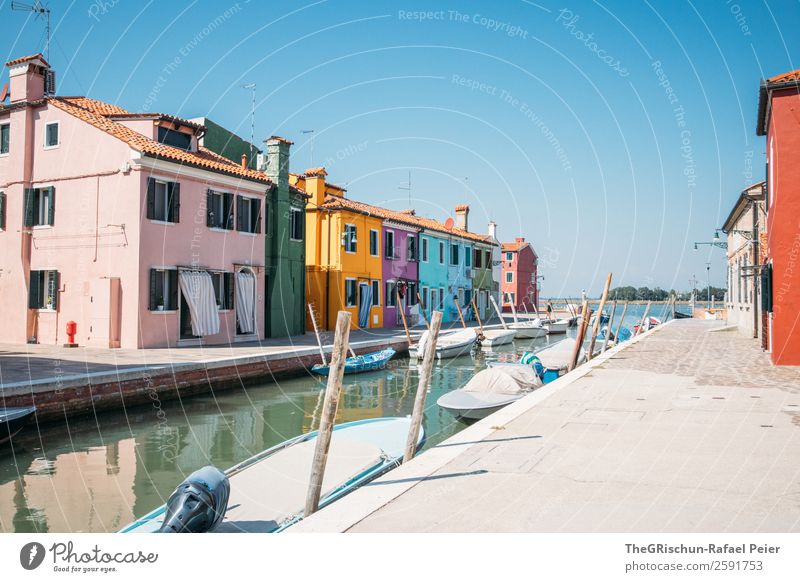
(779, 120)
(519, 275)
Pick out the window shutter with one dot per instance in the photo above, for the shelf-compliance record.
(35, 290)
(174, 202)
(56, 286)
(153, 285)
(51, 209)
(2, 210)
(172, 300)
(228, 204)
(239, 213)
(28, 206)
(228, 281)
(151, 198)
(256, 205)
(210, 208)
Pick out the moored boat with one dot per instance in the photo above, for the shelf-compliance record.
(364, 363)
(268, 491)
(529, 329)
(553, 361)
(449, 345)
(497, 337)
(556, 326)
(490, 390)
(13, 420)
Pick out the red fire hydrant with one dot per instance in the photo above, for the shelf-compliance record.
(72, 329)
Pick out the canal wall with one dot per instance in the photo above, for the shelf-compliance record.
(64, 396)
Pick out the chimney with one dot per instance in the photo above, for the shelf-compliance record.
(315, 185)
(30, 78)
(493, 229)
(520, 239)
(244, 161)
(277, 167)
(462, 216)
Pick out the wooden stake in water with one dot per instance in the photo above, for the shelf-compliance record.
(644, 318)
(586, 314)
(422, 311)
(513, 311)
(598, 317)
(316, 332)
(460, 315)
(621, 321)
(497, 310)
(422, 387)
(332, 392)
(477, 315)
(609, 328)
(403, 316)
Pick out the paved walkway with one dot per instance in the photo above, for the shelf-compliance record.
(687, 429)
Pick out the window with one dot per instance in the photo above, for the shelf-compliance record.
(411, 248)
(163, 289)
(509, 257)
(478, 258)
(390, 244)
(441, 252)
(43, 290)
(51, 135)
(39, 206)
(219, 209)
(248, 214)
(391, 294)
(298, 224)
(2, 210)
(454, 248)
(424, 298)
(509, 277)
(424, 243)
(411, 293)
(349, 238)
(5, 138)
(441, 298)
(467, 256)
(434, 300)
(163, 200)
(350, 296)
(223, 289)
(487, 255)
(173, 138)
(376, 292)
(373, 243)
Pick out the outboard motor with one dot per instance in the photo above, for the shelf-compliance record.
(199, 503)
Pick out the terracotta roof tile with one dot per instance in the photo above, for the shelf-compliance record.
(316, 172)
(785, 77)
(462, 207)
(513, 247)
(341, 203)
(28, 58)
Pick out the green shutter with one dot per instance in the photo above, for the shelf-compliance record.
(2, 210)
(28, 206)
(172, 300)
(209, 208)
(239, 213)
(228, 209)
(35, 289)
(174, 202)
(255, 204)
(51, 209)
(151, 198)
(56, 278)
(228, 282)
(153, 304)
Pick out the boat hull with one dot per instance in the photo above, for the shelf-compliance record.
(13, 420)
(494, 338)
(556, 327)
(359, 364)
(529, 332)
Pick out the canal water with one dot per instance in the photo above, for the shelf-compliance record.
(98, 474)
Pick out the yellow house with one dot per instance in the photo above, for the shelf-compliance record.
(343, 254)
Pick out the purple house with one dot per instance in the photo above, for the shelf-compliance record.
(400, 272)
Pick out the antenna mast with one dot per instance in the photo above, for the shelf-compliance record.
(407, 187)
(40, 10)
(252, 87)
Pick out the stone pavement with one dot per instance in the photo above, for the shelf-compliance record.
(686, 429)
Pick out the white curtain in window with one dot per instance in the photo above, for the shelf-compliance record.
(198, 291)
(246, 301)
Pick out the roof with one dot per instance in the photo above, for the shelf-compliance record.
(788, 80)
(515, 246)
(316, 172)
(752, 193)
(341, 203)
(37, 56)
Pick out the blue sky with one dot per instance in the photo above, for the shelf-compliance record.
(612, 135)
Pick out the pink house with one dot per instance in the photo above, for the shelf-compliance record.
(519, 275)
(120, 222)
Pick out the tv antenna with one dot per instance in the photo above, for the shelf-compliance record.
(407, 187)
(252, 87)
(311, 131)
(40, 10)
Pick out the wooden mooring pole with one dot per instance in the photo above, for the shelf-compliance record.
(477, 315)
(332, 393)
(403, 316)
(598, 316)
(644, 318)
(621, 320)
(422, 388)
(422, 311)
(609, 327)
(460, 315)
(586, 314)
(499, 313)
(316, 332)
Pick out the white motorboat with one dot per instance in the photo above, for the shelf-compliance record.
(490, 390)
(497, 337)
(556, 359)
(529, 329)
(449, 345)
(556, 326)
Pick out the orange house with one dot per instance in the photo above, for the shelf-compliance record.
(343, 259)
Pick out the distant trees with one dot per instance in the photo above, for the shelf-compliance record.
(628, 293)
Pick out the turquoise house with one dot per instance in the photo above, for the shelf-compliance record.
(433, 270)
(459, 280)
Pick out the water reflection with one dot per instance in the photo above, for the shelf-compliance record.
(96, 474)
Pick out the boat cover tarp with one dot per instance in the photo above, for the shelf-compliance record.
(509, 380)
(245, 301)
(557, 356)
(198, 291)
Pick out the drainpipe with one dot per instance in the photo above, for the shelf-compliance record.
(756, 277)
